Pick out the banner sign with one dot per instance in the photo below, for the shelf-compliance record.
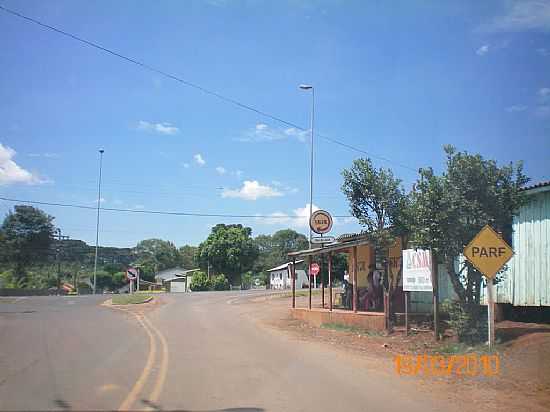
(417, 270)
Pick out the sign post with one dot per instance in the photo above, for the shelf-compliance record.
(131, 275)
(418, 277)
(314, 270)
(488, 253)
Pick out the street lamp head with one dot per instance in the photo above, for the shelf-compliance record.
(305, 87)
(101, 151)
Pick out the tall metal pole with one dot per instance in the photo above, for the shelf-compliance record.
(311, 162)
(309, 87)
(97, 221)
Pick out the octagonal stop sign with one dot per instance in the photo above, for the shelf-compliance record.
(314, 269)
(488, 252)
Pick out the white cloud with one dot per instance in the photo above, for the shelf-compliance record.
(251, 190)
(199, 159)
(543, 52)
(483, 50)
(221, 170)
(544, 94)
(11, 172)
(101, 200)
(263, 133)
(299, 218)
(186, 165)
(516, 108)
(522, 15)
(162, 128)
(45, 155)
(238, 173)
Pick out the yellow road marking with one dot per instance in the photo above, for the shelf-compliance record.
(157, 389)
(138, 386)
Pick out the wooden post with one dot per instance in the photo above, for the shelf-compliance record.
(293, 275)
(406, 312)
(309, 279)
(322, 283)
(491, 312)
(387, 297)
(330, 281)
(354, 274)
(435, 284)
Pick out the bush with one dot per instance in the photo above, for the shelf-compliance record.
(246, 280)
(200, 282)
(470, 325)
(219, 282)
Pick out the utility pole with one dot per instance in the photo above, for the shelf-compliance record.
(60, 237)
(97, 221)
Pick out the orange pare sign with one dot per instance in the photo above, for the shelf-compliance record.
(488, 252)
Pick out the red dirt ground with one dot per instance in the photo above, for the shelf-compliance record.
(522, 384)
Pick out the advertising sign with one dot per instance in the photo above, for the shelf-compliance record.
(417, 270)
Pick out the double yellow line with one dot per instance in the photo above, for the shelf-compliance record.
(139, 386)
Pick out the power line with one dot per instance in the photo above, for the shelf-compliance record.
(196, 86)
(157, 212)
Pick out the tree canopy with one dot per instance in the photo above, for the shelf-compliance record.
(154, 255)
(229, 249)
(450, 209)
(26, 237)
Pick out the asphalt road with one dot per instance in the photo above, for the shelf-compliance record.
(196, 352)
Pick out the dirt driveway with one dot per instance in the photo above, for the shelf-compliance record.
(523, 381)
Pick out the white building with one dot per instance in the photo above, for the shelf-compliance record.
(279, 277)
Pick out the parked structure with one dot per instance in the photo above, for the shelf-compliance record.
(279, 276)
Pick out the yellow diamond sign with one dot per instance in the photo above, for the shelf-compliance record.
(488, 252)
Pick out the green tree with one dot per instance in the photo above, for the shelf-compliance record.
(153, 255)
(188, 256)
(26, 237)
(450, 209)
(228, 249)
(200, 282)
(274, 249)
(219, 282)
(379, 203)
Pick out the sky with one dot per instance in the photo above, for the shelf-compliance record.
(396, 80)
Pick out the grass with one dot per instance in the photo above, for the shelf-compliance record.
(300, 293)
(131, 299)
(147, 292)
(460, 348)
(346, 328)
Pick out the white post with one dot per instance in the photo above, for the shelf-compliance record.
(491, 312)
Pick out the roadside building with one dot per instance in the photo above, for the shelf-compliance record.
(279, 276)
(526, 280)
(175, 279)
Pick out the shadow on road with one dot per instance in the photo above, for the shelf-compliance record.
(62, 404)
(157, 407)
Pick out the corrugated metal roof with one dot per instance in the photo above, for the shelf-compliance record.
(283, 266)
(537, 186)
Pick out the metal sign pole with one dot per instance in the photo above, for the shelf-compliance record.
(406, 313)
(491, 312)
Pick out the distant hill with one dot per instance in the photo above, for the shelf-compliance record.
(72, 250)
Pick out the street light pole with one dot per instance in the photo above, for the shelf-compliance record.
(97, 221)
(309, 87)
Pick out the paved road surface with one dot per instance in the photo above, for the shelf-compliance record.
(196, 352)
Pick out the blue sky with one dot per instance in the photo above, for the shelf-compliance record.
(395, 79)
